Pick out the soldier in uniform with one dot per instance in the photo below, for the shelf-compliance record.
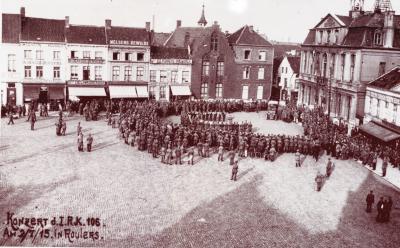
(329, 168)
(385, 165)
(80, 142)
(319, 180)
(200, 149)
(78, 129)
(272, 153)
(155, 148)
(206, 150)
(162, 154)
(89, 141)
(297, 156)
(235, 170)
(33, 120)
(10, 118)
(370, 200)
(220, 153)
(231, 157)
(178, 155)
(191, 155)
(169, 155)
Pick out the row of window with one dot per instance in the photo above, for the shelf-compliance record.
(332, 37)
(164, 76)
(39, 72)
(262, 55)
(382, 104)
(127, 56)
(324, 64)
(86, 72)
(86, 55)
(220, 70)
(219, 87)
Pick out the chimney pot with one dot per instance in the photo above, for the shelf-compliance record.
(108, 24)
(148, 26)
(178, 23)
(67, 21)
(22, 11)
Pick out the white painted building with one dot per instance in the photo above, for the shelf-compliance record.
(170, 73)
(288, 73)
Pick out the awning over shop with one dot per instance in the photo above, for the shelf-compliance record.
(85, 91)
(142, 91)
(379, 132)
(181, 90)
(56, 92)
(31, 92)
(122, 91)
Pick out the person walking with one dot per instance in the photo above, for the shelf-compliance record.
(329, 168)
(379, 207)
(80, 142)
(33, 120)
(297, 158)
(370, 200)
(384, 166)
(10, 119)
(220, 153)
(235, 170)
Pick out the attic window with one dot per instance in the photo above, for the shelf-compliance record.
(378, 38)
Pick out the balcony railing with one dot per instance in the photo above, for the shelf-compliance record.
(86, 61)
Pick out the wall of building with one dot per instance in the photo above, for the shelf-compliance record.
(382, 105)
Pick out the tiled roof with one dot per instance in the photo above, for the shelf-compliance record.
(158, 52)
(355, 37)
(368, 20)
(177, 39)
(11, 28)
(246, 36)
(281, 49)
(345, 19)
(128, 34)
(86, 35)
(387, 81)
(310, 39)
(160, 38)
(294, 63)
(277, 63)
(38, 29)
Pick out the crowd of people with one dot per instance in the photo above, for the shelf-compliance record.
(383, 207)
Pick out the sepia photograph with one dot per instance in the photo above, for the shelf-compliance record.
(200, 123)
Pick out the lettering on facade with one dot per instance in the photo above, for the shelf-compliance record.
(172, 61)
(129, 42)
(86, 61)
(41, 62)
(85, 82)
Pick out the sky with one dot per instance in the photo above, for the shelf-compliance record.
(280, 20)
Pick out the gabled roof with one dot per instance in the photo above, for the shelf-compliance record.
(159, 52)
(128, 34)
(294, 63)
(177, 38)
(280, 49)
(160, 38)
(275, 66)
(340, 20)
(86, 35)
(39, 29)
(246, 36)
(11, 28)
(387, 81)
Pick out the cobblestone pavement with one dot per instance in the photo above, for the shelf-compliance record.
(142, 202)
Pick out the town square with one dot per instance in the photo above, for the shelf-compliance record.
(124, 136)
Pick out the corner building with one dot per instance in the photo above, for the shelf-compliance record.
(343, 53)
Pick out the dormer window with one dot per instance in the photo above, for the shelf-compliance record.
(378, 38)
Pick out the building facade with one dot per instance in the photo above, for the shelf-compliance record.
(382, 101)
(287, 74)
(129, 60)
(170, 73)
(254, 65)
(343, 53)
(87, 52)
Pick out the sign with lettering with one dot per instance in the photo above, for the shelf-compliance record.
(85, 82)
(86, 61)
(129, 42)
(172, 61)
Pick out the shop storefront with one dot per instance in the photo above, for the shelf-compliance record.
(79, 90)
(40, 93)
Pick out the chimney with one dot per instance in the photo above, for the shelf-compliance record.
(108, 24)
(178, 23)
(67, 22)
(148, 26)
(388, 28)
(22, 12)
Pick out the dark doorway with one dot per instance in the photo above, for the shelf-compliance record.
(11, 96)
(43, 95)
